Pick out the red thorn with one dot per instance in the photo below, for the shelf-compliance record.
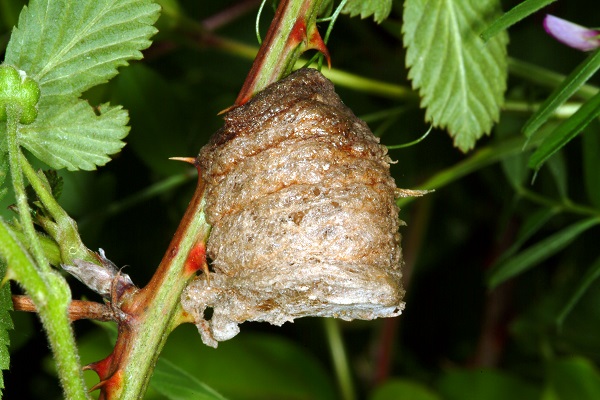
(298, 33)
(196, 260)
(97, 386)
(316, 42)
(310, 37)
(110, 385)
(100, 367)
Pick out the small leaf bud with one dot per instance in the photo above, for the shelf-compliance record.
(19, 90)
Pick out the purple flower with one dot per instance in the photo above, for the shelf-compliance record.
(571, 34)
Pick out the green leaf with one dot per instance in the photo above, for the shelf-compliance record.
(538, 252)
(5, 324)
(395, 389)
(568, 87)
(3, 170)
(176, 384)
(139, 89)
(574, 378)
(590, 277)
(71, 46)
(379, 9)
(251, 366)
(591, 163)
(485, 384)
(514, 167)
(533, 223)
(72, 136)
(566, 131)
(558, 168)
(513, 16)
(460, 78)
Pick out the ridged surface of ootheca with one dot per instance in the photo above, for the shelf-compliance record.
(303, 214)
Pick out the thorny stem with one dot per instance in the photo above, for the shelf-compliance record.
(292, 31)
(152, 312)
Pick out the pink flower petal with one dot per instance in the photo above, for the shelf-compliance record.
(573, 35)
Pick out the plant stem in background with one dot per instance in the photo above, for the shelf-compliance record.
(339, 358)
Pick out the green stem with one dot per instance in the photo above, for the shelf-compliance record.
(163, 310)
(339, 357)
(64, 229)
(289, 34)
(545, 77)
(527, 108)
(14, 153)
(155, 311)
(48, 290)
(479, 159)
(337, 76)
(564, 205)
(371, 86)
(489, 155)
(51, 296)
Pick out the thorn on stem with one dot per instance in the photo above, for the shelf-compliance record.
(189, 160)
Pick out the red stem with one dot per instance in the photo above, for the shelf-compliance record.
(78, 309)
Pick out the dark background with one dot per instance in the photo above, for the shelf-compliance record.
(457, 338)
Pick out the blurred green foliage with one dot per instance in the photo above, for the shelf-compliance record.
(458, 338)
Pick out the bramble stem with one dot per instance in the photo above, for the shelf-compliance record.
(51, 296)
(292, 31)
(48, 290)
(14, 153)
(64, 229)
(154, 311)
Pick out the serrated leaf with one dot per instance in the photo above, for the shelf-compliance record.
(176, 384)
(540, 251)
(72, 136)
(379, 9)
(70, 46)
(517, 13)
(460, 78)
(566, 131)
